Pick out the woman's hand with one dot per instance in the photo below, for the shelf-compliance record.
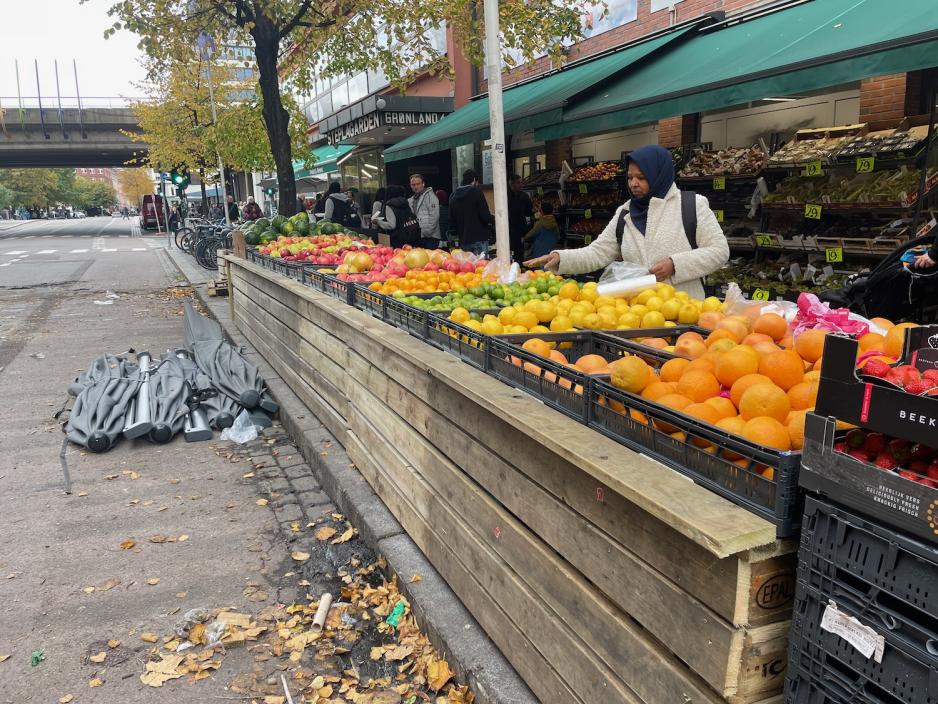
(548, 261)
(924, 262)
(662, 269)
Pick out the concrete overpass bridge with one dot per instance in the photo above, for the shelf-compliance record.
(80, 133)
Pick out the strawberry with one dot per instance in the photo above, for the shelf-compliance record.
(931, 374)
(856, 438)
(874, 444)
(886, 461)
(933, 483)
(906, 474)
(918, 466)
(921, 452)
(932, 470)
(876, 367)
(899, 449)
(841, 447)
(918, 387)
(859, 455)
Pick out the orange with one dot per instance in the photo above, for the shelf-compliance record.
(735, 327)
(558, 357)
(706, 413)
(883, 323)
(742, 385)
(723, 406)
(810, 345)
(813, 375)
(787, 342)
(871, 341)
(736, 363)
(691, 349)
(785, 368)
(631, 373)
(755, 337)
(673, 368)
(707, 365)
(591, 362)
(698, 385)
(657, 389)
(689, 335)
(763, 430)
(734, 425)
(764, 400)
(720, 334)
(767, 472)
(765, 347)
(895, 340)
(537, 346)
(771, 324)
(656, 342)
(675, 402)
(795, 425)
(709, 319)
(722, 345)
(803, 395)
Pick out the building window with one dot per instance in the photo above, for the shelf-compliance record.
(663, 4)
(357, 87)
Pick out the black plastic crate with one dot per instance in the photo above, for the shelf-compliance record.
(557, 385)
(901, 676)
(896, 501)
(886, 579)
(830, 683)
(337, 288)
(406, 317)
(370, 301)
(465, 343)
(669, 334)
(727, 464)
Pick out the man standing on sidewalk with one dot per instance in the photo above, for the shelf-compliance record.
(469, 212)
(426, 207)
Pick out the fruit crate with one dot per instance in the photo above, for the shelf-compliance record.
(900, 676)
(465, 343)
(823, 680)
(729, 465)
(556, 384)
(406, 317)
(367, 300)
(446, 312)
(337, 288)
(670, 335)
(876, 404)
(885, 579)
(880, 494)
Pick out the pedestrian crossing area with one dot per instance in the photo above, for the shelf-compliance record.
(100, 245)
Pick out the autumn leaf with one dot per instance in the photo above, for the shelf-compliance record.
(96, 682)
(438, 674)
(416, 578)
(109, 583)
(113, 643)
(398, 653)
(88, 590)
(100, 657)
(66, 699)
(261, 502)
(153, 581)
(377, 653)
(4, 658)
(183, 538)
(345, 537)
(181, 595)
(324, 533)
(299, 556)
(149, 637)
(127, 544)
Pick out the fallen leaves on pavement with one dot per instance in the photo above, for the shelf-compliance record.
(127, 544)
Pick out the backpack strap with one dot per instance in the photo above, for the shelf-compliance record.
(620, 226)
(689, 216)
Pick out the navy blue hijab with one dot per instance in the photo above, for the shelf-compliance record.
(658, 166)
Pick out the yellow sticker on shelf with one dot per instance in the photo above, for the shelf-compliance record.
(583, 188)
(719, 183)
(834, 254)
(719, 214)
(812, 211)
(587, 239)
(814, 168)
(763, 240)
(865, 164)
(760, 294)
(540, 190)
(588, 213)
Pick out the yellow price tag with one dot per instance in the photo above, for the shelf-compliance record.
(583, 188)
(588, 213)
(587, 239)
(865, 164)
(763, 240)
(719, 183)
(760, 294)
(540, 190)
(814, 168)
(834, 254)
(719, 214)
(812, 211)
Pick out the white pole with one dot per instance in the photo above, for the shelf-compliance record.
(493, 59)
(221, 165)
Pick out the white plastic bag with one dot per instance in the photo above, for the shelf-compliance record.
(242, 430)
(736, 303)
(622, 279)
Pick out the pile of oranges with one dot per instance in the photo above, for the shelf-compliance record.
(428, 282)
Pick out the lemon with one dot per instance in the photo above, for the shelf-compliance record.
(561, 323)
(712, 303)
(670, 324)
(506, 316)
(565, 305)
(474, 325)
(665, 291)
(588, 294)
(682, 295)
(653, 319)
(592, 321)
(688, 314)
(516, 329)
(639, 310)
(577, 318)
(491, 326)
(590, 284)
(526, 319)
(670, 309)
(569, 290)
(654, 303)
(622, 305)
(459, 315)
(539, 328)
(644, 296)
(603, 301)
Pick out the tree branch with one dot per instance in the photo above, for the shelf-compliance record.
(297, 19)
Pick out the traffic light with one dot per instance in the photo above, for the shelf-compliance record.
(180, 178)
(270, 190)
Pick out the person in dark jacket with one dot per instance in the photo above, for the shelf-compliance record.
(520, 215)
(445, 224)
(395, 212)
(469, 212)
(543, 236)
(233, 213)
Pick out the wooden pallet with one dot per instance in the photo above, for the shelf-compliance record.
(590, 566)
(217, 287)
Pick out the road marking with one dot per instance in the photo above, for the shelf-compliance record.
(47, 251)
(138, 249)
(16, 251)
(78, 251)
(29, 237)
(106, 249)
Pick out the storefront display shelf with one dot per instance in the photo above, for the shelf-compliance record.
(726, 464)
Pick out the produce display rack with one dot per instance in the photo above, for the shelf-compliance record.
(459, 340)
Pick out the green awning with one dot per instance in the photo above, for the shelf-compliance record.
(529, 105)
(803, 48)
(325, 160)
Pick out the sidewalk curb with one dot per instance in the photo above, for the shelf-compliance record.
(447, 623)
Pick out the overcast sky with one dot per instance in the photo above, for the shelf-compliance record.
(62, 29)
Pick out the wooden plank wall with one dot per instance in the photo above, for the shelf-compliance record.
(589, 595)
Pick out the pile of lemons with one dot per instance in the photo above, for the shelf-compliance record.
(577, 307)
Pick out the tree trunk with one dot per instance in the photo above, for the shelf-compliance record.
(276, 118)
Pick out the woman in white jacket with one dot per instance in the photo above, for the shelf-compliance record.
(652, 231)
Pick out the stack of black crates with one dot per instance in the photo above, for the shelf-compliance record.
(865, 624)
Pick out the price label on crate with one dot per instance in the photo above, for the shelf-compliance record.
(834, 254)
(764, 240)
(587, 239)
(719, 214)
(812, 211)
(719, 183)
(540, 190)
(583, 188)
(814, 168)
(588, 213)
(760, 294)
(865, 164)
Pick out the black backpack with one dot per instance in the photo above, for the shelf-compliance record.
(407, 226)
(688, 217)
(343, 213)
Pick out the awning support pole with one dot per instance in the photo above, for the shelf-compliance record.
(493, 59)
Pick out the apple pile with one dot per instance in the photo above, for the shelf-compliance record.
(913, 461)
(316, 249)
(378, 264)
(905, 377)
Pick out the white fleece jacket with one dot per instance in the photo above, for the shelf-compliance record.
(664, 237)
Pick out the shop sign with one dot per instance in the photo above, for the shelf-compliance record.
(375, 120)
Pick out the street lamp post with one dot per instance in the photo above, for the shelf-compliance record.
(493, 58)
